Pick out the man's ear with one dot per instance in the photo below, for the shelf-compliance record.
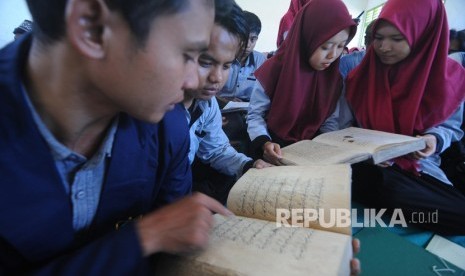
(86, 21)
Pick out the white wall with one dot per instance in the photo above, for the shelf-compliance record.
(270, 13)
(455, 10)
(12, 14)
(355, 7)
(374, 3)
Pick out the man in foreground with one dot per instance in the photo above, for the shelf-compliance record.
(87, 151)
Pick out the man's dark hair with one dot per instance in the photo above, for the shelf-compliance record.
(369, 34)
(234, 22)
(49, 19)
(461, 38)
(223, 7)
(452, 34)
(255, 25)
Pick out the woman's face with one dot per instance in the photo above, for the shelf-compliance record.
(329, 51)
(390, 45)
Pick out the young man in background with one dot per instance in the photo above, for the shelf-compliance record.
(240, 84)
(216, 164)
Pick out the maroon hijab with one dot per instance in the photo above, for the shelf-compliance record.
(301, 97)
(417, 93)
(288, 18)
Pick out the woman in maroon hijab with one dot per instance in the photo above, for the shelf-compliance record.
(406, 84)
(287, 19)
(298, 88)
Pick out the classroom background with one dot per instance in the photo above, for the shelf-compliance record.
(13, 12)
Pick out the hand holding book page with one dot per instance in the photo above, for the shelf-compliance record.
(351, 145)
(252, 243)
(260, 193)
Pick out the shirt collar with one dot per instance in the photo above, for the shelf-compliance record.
(250, 60)
(60, 151)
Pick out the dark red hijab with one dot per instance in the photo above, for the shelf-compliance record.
(419, 92)
(301, 97)
(288, 18)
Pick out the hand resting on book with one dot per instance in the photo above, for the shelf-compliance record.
(260, 164)
(180, 227)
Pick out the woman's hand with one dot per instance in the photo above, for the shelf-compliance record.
(272, 153)
(430, 148)
(260, 164)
